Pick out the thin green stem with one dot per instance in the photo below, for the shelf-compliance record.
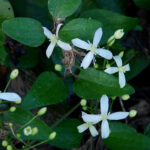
(7, 85)
(111, 105)
(39, 143)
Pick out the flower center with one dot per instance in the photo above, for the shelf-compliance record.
(122, 69)
(92, 48)
(53, 39)
(89, 124)
(104, 117)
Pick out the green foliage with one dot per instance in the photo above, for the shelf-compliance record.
(66, 130)
(123, 137)
(145, 4)
(24, 30)
(63, 8)
(79, 28)
(92, 84)
(111, 21)
(47, 90)
(147, 130)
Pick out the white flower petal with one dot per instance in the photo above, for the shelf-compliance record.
(87, 60)
(81, 44)
(111, 70)
(97, 36)
(118, 61)
(91, 118)
(81, 128)
(64, 46)
(10, 96)
(105, 129)
(47, 33)
(118, 115)
(104, 53)
(122, 79)
(104, 104)
(58, 28)
(93, 131)
(50, 49)
(127, 67)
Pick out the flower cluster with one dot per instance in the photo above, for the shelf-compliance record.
(93, 49)
(92, 119)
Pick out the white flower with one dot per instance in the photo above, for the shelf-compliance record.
(27, 131)
(54, 39)
(89, 120)
(105, 116)
(121, 69)
(92, 48)
(8, 96)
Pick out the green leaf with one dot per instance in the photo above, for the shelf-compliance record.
(123, 137)
(79, 28)
(147, 130)
(24, 30)
(145, 4)
(113, 5)
(92, 84)
(111, 21)
(66, 130)
(63, 8)
(47, 90)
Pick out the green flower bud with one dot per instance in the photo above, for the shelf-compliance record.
(9, 147)
(17, 102)
(18, 135)
(42, 111)
(121, 54)
(52, 135)
(10, 124)
(125, 97)
(12, 109)
(34, 131)
(113, 98)
(119, 34)
(58, 67)
(132, 113)
(14, 74)
(84, 108)
(95, 66)
(111, 41)
(4, 143)
(83, 102)
(108, 66)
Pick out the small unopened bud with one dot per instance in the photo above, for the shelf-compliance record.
(27, 131)
(17, 102)
(18, 135)
(4, 143)
(108, 66)
(84, 108)
(42, 111)
(12, 109)
(113, 98)
(83, 102)
(132, 113)
(121, 54)
(58, 67)
(52, 135)
(119, 34)
(34, 131)
(111, 41)
(10, 124)
(14, 74)
(95, 66)
(125, 97)
(9, 147)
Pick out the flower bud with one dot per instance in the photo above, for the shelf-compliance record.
(95, 66)
(42, 111)
(17, 102)
(58, 67)
(34, 131)
(12, 109)
(27, 131)
(113, 98)
(14, 74)
(119, 34)
(4, 143)
(132, 113)
(9, 147)
(10, 124)
(111, 41)
(108, 66)
(125, 97)
(83, 102)
(121, 54)
(18, 135)
(84, 108)
(52, 135)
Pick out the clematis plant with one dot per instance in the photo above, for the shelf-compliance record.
(92, 48)
(104, 117)
(121, 69)
(9, 96)
(54, 39)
